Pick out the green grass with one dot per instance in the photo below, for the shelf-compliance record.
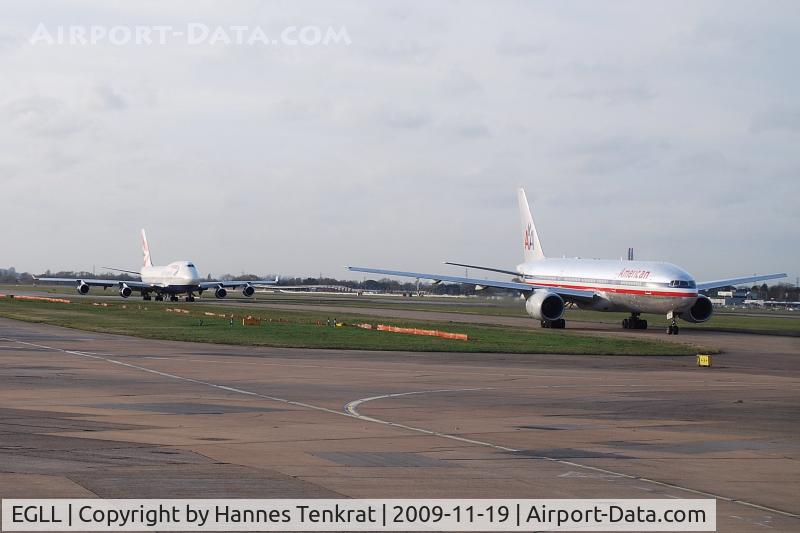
(300, 330)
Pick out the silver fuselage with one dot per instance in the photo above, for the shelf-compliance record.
(630, 286)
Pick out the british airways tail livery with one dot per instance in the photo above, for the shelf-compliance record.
(633, 287)
(179, 277)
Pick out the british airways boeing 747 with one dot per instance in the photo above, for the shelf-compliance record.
(179, 277)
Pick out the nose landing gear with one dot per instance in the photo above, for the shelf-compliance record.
(673, 329)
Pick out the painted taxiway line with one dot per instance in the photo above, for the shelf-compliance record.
(354, 414)
(351, 408)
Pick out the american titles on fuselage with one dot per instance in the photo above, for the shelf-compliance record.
(628, 273)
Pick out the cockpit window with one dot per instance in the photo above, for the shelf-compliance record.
(682, 284)
(190, 265)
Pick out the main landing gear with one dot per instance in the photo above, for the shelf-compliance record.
(555, 324)
(159, 298)
(190, 298)
(634, 322)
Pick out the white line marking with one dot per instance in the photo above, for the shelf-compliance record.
(91, 355)
(352, 412)
(351, 408)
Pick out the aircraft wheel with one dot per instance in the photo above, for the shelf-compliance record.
(560, 323)
(643, 324)
(545, 324)
(626, 324)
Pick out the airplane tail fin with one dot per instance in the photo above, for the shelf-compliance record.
(146, 251)
(532, 248)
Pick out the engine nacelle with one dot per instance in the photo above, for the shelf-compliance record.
(125, 291)
(220, 292)
(248, 290)
(699, 312)
(545, 305)
(82, 288)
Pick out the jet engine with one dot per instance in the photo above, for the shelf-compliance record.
(82, 288)
(125, 291)
(220, 292)
(545, 305)
(700, 311)
(248, 290)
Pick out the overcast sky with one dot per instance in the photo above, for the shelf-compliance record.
(672, 127)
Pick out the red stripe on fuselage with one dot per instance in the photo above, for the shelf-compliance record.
(640, 292)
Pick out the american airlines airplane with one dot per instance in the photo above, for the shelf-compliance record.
(634, 287)
(179, 277)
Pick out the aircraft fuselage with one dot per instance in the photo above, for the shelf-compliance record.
(175, 278)
(630, 286)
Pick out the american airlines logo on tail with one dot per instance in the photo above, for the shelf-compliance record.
(529, 237)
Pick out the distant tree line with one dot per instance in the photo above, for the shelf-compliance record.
(783, 292)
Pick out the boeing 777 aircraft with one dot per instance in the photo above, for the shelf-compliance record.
(600, 285)
(164, 281)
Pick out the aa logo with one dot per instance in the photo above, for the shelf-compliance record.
(529, 237)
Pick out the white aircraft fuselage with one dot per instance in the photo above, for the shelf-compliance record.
(176, 277)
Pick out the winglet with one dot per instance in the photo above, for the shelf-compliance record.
(148, 262)
(532, 248)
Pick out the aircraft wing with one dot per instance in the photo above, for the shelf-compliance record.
(233, 284)
(736, 281)
(136, 285)
(568, 294)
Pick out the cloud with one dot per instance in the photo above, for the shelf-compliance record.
(43, 116)
(779, 119)
(403, 119)
(513, 46)
(607, 94)
(107, 99)
(472, 129)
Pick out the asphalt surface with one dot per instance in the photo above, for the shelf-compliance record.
(85, 414)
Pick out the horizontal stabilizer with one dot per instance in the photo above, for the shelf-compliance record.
(121, 270)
